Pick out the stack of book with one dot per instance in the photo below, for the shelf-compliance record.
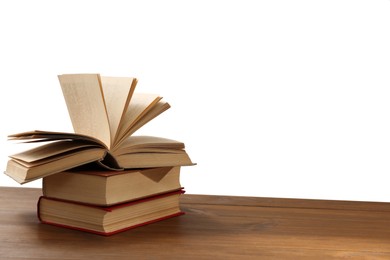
(107, 202)
(102, 178)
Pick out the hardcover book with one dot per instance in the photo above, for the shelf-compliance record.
(109, 220)
(105, 188)
(105, 112)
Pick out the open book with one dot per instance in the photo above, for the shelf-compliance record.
(105, 112)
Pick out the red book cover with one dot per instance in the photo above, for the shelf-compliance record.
(110, 210)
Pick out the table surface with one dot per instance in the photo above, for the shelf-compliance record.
(214, 227)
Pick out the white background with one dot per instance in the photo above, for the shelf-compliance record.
(272, 98)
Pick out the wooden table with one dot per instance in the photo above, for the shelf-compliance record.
(215, 227)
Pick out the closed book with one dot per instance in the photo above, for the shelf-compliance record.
(109, 220)
(104, 188)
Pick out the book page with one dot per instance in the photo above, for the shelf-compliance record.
(151, 113)
(139, 105)
(143, 143)
(50, 150)
(84, 99)
(46, 136)
(117, 92)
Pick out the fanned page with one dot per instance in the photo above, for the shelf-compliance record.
(117, 92)
(140, 104)
(45, 136)
(84, 99)
(151, 113)
(49, 151)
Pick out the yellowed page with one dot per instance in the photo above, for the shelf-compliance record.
(85, 102)
(117, 92)
(50, 150)
(151, 113)
(142, 143)
(140, 104)
(149, 160)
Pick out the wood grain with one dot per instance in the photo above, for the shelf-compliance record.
(215, 227)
